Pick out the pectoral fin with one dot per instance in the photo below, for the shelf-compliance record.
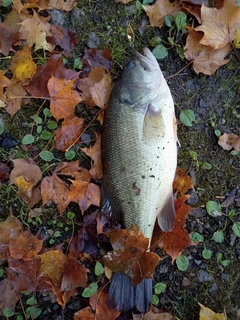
(153, 126)
(167, 217)
(108, 208)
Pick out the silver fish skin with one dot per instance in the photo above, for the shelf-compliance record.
(139, 155)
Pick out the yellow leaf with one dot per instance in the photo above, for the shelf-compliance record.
(237, 40)
(208, 314)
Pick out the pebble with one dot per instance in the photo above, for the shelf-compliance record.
(93, 40)
(203, 276)
(57, 17)
(213, 288)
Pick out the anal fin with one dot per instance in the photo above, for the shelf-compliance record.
(167, 217)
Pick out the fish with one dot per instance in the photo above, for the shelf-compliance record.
(139, 158)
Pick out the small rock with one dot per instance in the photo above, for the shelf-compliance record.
(93, 40)
(186, 282)
(202, 103)
(198, 262)
(225, 276)
(57, 16)
(203, 276)
(193, 199)
(198, 213)
(213, 288)
(232, 239)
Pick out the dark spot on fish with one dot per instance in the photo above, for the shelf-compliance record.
(122, 169)
(150, 168)
(129, 202)
(136, 189)
(152, 176)
(163, 148)
(133, 250)
(143, 177)
(158, 157)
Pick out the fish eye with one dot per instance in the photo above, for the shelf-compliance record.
(131, 64)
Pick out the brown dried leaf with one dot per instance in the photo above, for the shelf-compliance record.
(8, 296)
(63, 4)
(182, 182)
(14, 97)
(95, 154)
(8, 38)
(229, 140)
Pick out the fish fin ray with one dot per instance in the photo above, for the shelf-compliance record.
(152, 125)
(167, 217)
(108, 208)
(143, 296)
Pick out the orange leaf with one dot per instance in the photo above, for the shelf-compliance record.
(11, 227)
(85, 194)
(63, 98)
(177, 240)
(26, 246)
(63, 5)
(69, 133)
(53, 188)
(228, 141)
(22, 65)
(160, 9)
(74, 170)
(95, 154)
(86, 314)
(129, 254)
(205, 59)
(182, 182)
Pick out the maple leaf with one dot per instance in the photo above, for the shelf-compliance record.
(94, 153)
(175, 241)
(129, 254)
(8, 296)
(208, 314)
(35, 30)
(8, 38)
(4, 171)
(182, 182)
(98, 58)
(63, 98)
(14, 97)
(229, 140)
(26, 174)
(219, 25)
(74, 170)
(53, 188)
(69, 133)
(11, 227)
(54, 66)
(153, 314)
(22, 65)
(63, 5)
(160, 9)
(26, 246)
(96, 87)
(205, 59)
(85, 194)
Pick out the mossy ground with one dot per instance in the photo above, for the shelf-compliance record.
(216, 104)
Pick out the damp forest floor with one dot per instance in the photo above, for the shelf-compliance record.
(215, 101)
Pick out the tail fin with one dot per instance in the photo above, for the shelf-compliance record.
(124, 296)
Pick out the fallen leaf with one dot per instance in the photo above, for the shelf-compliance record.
(53, 188)
(54, 66)
(69, 133)
(63, 98)
(8, 38)
(14, 97)
(129, 254)
(229, 140)
(98, 58)
(208, 314)
(154, 314)
(35, 30)
(219, 25)
(74, 170)
(4, 82)
(22, 65)
(175, 241)
(160, 9)
(182, 182)
(94, 153)
(229, 199)
(205, 59)
(85, 313)
(4, 172)
(8, 296)
(63, 5)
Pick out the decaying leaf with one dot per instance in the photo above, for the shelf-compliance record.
(129, 254)
(208, 314)
(229, 140)
(94, 153)
(8, 296)
(154, 314)
(182, 182)
(15, 93)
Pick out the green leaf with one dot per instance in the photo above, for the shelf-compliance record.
(47, 113)
(1, 272)
(46, 135)
(207, 165)
(193, 155)
(52, 125)
(154, 41)
(39, 129)
(160, 52)
(159, 287)
(187, 117)
(47, 156)
(147, 2)
(155, 300)
(31, 301)
(70, 215)
(225, 263)
(77, 64)
(7, 312)
(218, 236)
(207, 254)
(217, 133)
(99, 270)
(196, 237)
(168, 20)
(90, 290)
(234, 153)
(57, 234)
(213, 208)
(182, 262)
(69, 155)
(219, 256)
(236, 228)
(28, 139)
(37, 119)
(171, 41)
(19, 317)
(181, 20)
(6, 3)
(33, 312)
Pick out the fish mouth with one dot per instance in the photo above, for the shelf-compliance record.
(147, 60)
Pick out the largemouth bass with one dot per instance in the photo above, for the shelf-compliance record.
(139, 154)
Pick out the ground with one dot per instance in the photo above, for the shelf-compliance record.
(216, 104)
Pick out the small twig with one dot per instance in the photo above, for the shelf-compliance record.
(185, 67)
(25, 316)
